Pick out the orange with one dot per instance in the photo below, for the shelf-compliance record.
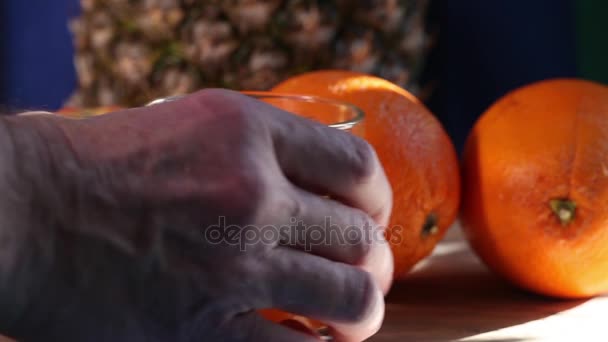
(418, 157)
(535, 207)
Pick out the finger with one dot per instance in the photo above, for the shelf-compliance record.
(344, 297)
(330, 229)
(325, 160)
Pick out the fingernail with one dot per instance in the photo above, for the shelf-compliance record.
(377, 314)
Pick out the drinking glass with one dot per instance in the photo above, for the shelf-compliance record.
(337, 114)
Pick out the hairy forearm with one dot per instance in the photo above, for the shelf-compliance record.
(12, 234)
(22, 239)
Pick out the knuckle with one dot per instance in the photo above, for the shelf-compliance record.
(270, 196)
(359, 238)
(231, 107)
(212, 96)
(365, 161)
(295, 208)
(253, 193)
(238, 194)
(247, 123)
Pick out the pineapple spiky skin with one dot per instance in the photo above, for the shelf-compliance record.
(131, 51)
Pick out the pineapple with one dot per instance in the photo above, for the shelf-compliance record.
(131, 51)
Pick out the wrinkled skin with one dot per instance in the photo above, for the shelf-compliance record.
(104, 224)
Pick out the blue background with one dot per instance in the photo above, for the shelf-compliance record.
(36, 69)
(486, 49)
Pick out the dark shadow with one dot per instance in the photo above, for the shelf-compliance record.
(452, 296)
(487, 48)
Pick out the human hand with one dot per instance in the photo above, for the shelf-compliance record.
(124, 205)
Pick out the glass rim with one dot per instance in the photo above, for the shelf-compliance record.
(358, 114)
